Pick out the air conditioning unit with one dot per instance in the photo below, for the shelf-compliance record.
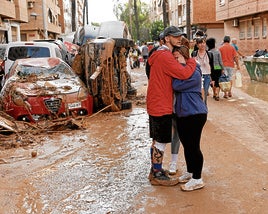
(235, 23)
(30, 4)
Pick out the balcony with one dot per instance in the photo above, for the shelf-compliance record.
(7, 9)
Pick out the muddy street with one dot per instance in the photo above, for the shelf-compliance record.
(104, 167)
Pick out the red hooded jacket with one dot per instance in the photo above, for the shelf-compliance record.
(163, 68)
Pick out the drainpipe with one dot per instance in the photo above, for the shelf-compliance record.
(44, 18)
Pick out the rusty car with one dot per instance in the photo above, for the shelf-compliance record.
(38, 89)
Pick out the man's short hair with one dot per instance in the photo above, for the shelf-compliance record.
(227, 39)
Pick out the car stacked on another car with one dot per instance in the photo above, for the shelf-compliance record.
(44, 88)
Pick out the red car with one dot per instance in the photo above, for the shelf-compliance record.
(44, 88)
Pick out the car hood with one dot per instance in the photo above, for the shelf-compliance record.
(52, 87)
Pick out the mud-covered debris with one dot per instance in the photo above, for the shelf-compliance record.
(7, 123)
(15, 134)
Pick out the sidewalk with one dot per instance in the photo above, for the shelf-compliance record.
(235, 149)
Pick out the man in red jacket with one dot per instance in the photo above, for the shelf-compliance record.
(163, 67)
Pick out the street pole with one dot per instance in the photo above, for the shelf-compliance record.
(165, 17)
(44, 18)
(130, 16)
(188, 19)
(136, 20)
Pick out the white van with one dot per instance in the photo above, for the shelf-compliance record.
(20, 50)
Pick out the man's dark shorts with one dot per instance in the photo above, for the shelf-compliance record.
(161, 128)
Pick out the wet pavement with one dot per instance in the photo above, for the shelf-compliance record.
(104, 168)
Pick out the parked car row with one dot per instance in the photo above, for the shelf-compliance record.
(38, 89)
(38, 83)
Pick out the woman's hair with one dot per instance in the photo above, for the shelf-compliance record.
(183, 50)
(200, 40)
(211, 43)
(185, 42)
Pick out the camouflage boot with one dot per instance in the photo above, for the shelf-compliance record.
(157, 175)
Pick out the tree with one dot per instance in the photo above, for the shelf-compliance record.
(156, 29)
(136, 15)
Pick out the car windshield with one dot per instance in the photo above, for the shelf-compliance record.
(21, 52)
(42, 72)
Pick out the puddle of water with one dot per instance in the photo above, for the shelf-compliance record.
(256, 89)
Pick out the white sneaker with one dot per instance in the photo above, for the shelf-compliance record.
(172, 169)
(193, 184)
(185, 177)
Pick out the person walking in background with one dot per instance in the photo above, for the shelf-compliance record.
(134, 54)
(144, 53)
(191, 46)
(229, 58)
(234, 44)
(163, 67)
(191, 114)
(205, 60)
(218, 67)
(198, 34)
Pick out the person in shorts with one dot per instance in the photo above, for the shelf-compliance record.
(229, 59)
(163, 68)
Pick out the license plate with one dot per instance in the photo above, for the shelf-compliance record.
(74, 105)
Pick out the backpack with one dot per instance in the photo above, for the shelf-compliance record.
(147, 66)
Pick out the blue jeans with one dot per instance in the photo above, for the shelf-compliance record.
(206, 83)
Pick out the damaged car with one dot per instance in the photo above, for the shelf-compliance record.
(44, 89)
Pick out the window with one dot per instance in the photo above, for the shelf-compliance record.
(264, 27)
(21, 52)
(50, 16)
(184, 12)
(242, 27)
(257, 27)
(249, 29)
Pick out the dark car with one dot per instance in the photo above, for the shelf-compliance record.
(44, 88)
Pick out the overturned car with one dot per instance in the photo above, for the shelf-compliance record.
(44, 88)
(102, 65)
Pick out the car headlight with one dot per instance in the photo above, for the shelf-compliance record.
(82, 93)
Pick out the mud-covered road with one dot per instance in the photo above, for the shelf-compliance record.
(104, 168)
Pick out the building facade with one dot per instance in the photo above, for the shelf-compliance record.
(12, 14)
(43, 20)
(26, 20)
(202, 16)
(245, 20)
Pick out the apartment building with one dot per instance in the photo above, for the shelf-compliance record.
(202, 16)
(245, 20)
(26, 20)
(43, 20)
(72, 17)
(12, 14)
